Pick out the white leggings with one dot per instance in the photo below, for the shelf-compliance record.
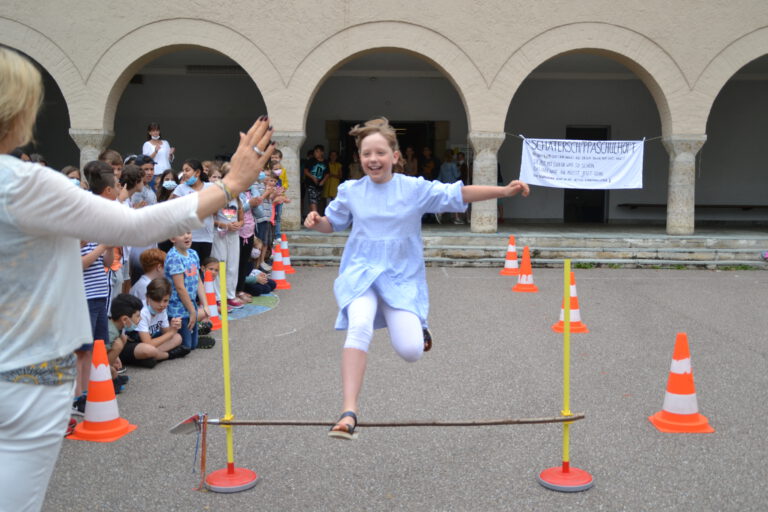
(404, 327)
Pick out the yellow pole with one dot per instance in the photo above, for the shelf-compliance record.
(566, 361)
(225, 362)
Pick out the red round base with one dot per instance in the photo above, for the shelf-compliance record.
(574, 480)
(236, 480)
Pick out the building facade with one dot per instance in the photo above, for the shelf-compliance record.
(691, 75)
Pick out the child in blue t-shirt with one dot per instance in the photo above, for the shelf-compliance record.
(182, 267)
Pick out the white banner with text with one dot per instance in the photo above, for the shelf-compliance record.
(585, 164)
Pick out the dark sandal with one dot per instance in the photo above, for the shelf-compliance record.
(206, 342)
(427, 340)
(349, 432)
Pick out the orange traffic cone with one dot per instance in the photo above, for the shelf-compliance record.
(525, 278)
(680, 412)
(576, 324)
(510, 263)
(210, 298)
(286, 255)
(102, 421)
(278, 269)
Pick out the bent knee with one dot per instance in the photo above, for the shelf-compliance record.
(412, 352)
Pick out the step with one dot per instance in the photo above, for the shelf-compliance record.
(488, 250)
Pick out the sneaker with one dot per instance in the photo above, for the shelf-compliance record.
(78, 406)
(119, 388)
(70, 427)
(178, 352)
(122, 370)
(122, 379)
(265, 267)
(235, 303)
(427, 340)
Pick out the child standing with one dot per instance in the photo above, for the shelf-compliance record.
(282, 181)
(182, 268)
(334, 176)
(382, 281)
(315, 173)
(226, 243)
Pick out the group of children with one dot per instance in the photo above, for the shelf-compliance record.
(157, 309)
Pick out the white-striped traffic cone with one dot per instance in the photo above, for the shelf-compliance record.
(210, 298)
(576, 323)
(510, 262)
(278, 269)
(286, 254)
(680, 412)
(102, 421)
(525, 278)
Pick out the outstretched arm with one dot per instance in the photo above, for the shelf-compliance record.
(472, 193)
(317, 222)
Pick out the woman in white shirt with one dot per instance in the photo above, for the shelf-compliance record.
(44, 311)
(157, 149)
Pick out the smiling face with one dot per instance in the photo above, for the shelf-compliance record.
(377, 158)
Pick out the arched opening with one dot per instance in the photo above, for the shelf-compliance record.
(731, 173)
(200, 97)
(51, 136)
(582, 95)
(416, 96)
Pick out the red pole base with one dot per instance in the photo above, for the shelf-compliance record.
(231, 479)
(572, 480)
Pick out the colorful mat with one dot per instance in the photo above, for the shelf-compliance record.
(260, 304)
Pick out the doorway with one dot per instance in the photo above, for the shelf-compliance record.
(409, 133)
(582, 206)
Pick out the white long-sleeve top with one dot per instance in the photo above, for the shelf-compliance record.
(43, 311)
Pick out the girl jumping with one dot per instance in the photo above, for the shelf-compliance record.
(382, 281)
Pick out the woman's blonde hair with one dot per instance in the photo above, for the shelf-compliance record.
(381, 126)
(21, 94)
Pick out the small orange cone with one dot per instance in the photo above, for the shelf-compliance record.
(286, 254)
(102, 421)
(525, 278)
(210, 298)
(576, 324)
(510, 262)
(680, 412)
(278, 269)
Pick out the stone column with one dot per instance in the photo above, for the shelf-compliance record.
(485, 172)
(90, 142)
(681, 190)
(290, 145)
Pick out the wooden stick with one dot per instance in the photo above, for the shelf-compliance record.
(408, 423)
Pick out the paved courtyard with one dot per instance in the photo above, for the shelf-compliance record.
(495, 356)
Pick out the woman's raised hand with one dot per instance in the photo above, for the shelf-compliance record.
(253, 152)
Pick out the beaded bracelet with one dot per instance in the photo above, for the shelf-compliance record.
(224, 188)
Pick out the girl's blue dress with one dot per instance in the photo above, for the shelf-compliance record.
(384, 249)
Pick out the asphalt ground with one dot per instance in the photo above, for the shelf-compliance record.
(494, 356)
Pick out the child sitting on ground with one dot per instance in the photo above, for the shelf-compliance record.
(182, 268)
(125, 313)
(257, 282)
(160, 339)
(153, 265)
